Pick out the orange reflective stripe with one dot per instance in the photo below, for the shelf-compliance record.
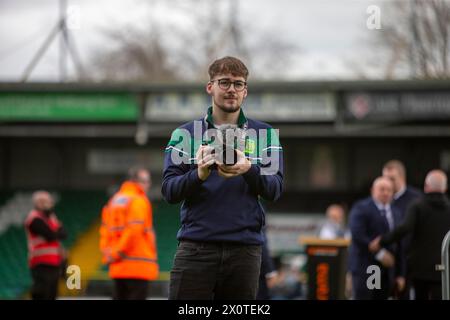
(136, 222)
(126, 257)
(116, 228)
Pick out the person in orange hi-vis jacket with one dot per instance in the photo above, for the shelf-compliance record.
(127, 238)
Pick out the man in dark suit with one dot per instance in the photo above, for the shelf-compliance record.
(404, 195)
(427, 220)
(368, 217)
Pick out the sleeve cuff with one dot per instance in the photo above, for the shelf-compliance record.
(271, 274)
(253, 172)
(380, 254)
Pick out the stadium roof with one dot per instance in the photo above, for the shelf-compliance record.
(257, 85)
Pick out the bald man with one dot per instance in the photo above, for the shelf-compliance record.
(427, 220)
(45, 251)
(369, 218)
(334, 227)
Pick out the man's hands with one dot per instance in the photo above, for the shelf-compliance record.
(400, 282)
(272, 279)
(374, 245)
(106, 256)
(242, 166)
(109, 256)
(205, 158)
(387, 259)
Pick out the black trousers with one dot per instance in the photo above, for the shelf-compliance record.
(45, 282)
(405, 294)
(362, 292)
(130, 289)
(215, 271)
(427, 290)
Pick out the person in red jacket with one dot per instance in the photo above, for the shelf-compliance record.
(45, 251)
(127, 238)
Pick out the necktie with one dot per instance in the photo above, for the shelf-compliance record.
(387, 217)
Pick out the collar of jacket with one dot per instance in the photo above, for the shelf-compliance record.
(131, 187)
(242, 120)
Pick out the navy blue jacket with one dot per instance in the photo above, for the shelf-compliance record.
(403, 202)
(366, 223)
(220, 209)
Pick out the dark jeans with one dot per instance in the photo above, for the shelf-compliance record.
(215, 271)
(45, 282)
(130, 289)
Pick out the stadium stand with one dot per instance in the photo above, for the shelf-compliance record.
(79, 211)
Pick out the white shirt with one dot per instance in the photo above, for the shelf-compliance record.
(388, 210)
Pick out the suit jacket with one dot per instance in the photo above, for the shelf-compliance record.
(427, 221)
(401, 204)
(366, 223)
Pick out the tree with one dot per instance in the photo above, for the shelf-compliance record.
(190, 36)
(135, 57)
(415, 37)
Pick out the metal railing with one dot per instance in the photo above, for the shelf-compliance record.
(444, 267)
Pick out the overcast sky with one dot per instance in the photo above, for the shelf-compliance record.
(332, 34)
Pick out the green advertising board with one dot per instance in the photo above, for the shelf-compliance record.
(71, 107)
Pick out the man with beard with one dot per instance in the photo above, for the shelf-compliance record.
(219, 251)
(45, 251)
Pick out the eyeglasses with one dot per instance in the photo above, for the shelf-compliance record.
(225, 84)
